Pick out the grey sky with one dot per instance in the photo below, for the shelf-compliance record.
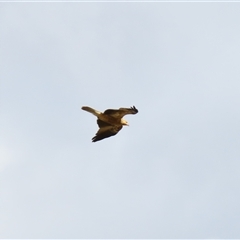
(174, 173)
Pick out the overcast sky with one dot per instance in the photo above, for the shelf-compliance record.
(173, 173)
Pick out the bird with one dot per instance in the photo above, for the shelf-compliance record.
(110, 122)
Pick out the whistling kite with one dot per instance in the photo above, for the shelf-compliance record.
(110, 122)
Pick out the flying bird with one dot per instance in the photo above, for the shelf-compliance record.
(110, 122)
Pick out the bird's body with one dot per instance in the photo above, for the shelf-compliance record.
(110, 122)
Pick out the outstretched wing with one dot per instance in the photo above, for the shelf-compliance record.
(105, 132)
(119, 113)
(102, 124)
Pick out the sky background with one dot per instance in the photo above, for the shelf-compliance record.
(174, 173)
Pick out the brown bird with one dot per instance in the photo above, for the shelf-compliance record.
(110, 122)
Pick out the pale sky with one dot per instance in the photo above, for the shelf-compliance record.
(173, 173)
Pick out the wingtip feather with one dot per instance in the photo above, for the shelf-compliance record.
(135, 109)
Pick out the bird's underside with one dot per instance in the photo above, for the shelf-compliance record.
(110, 122)
(106, 130)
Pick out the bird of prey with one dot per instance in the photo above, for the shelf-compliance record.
(110, 122)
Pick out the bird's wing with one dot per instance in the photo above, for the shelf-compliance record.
(102, 124)
(119, 113)
(105, 132)
(91, 110)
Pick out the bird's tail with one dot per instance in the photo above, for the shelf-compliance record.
(91, 110)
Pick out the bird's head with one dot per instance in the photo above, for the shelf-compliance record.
(124, 122)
